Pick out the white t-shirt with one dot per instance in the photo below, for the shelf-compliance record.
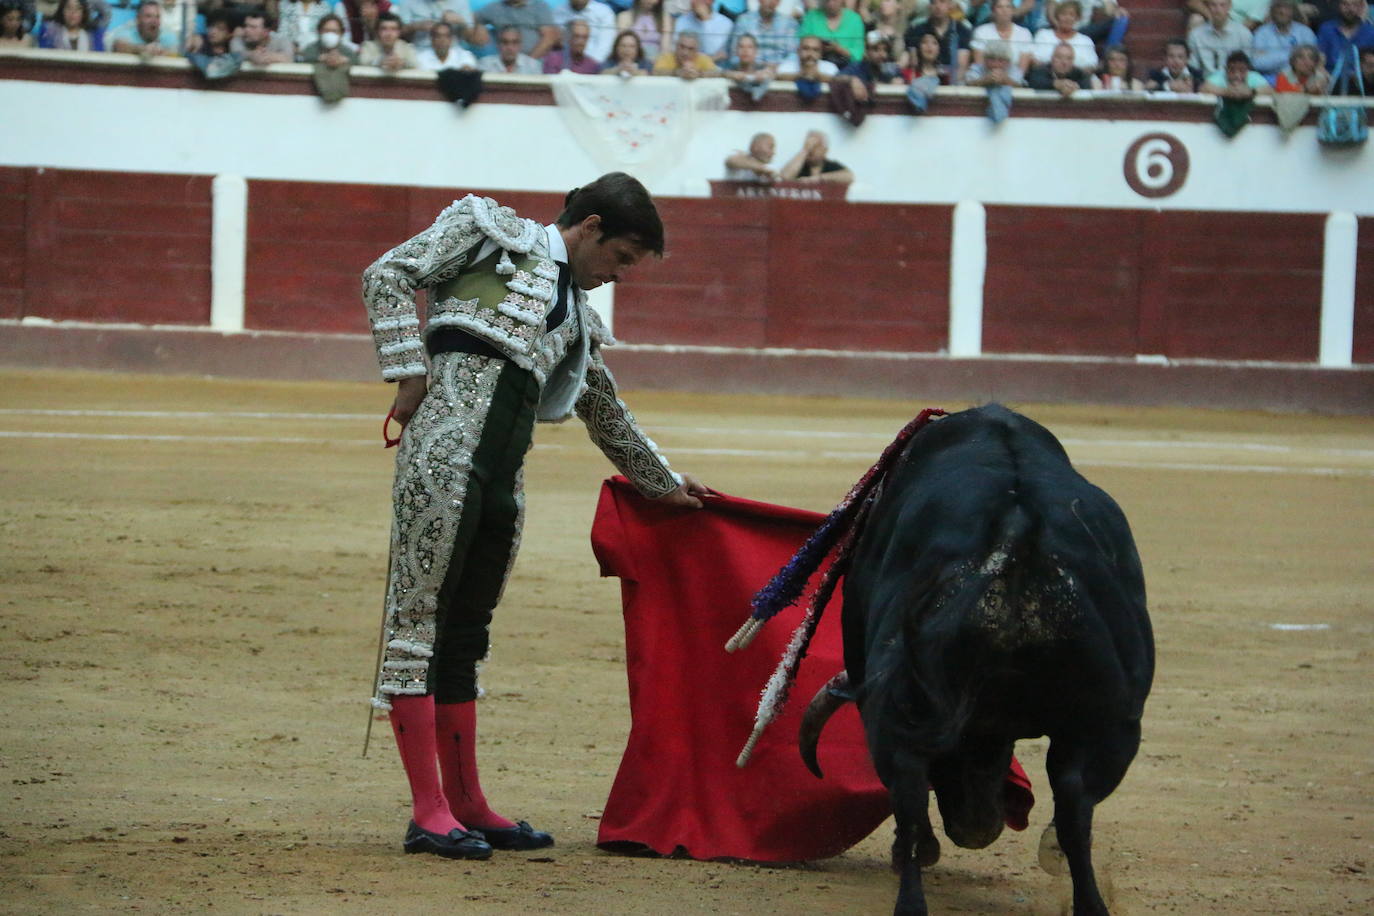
(793, 65)
(1021, 40)
(457, 59)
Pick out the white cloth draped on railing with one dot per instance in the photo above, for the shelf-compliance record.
(638, 125)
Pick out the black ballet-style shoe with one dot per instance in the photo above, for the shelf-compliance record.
(520, 838)
(456, 844)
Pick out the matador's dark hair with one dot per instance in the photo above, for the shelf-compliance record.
(625, 208)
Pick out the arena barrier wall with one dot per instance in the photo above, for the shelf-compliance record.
(776, 293)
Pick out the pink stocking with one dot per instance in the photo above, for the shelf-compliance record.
(412, 721)
(455, 725)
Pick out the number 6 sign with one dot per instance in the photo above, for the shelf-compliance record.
(1156, 165)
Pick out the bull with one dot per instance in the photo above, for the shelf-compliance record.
(994, 594)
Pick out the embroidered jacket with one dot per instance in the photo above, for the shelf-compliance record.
(502, 293)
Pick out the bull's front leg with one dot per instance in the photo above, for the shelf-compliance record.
(915, 846)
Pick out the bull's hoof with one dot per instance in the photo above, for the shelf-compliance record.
(1051, 856)
(927, 850)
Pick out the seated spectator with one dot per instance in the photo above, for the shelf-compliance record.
(573, 55)
(1366, 73)
(1342, 39)
(996, 67)
(876, 67)
(361, 18)
(1210, 44)
(926, 61)
(810, 164)
(1274, 41)
(686, 60)
(1236, 80)
(1236, 87)
(746, 70)
(1065, 31)
(753, 165)
(330, 47)
(1304, 72)
(46, 11)
(259, 45)
(1105, 23)
(1247, 13)
(1116, 73)
(600, 20)
(389, 51)
(999, 76)
(1061, 75)
(1001, 28)
(419, 16)
(443, 52)
(889, 18)
(807, 63)
(533, 18)
(508, 57)
(954, 38)
(775, 33)
(215, 59)
(70, 29)
(298, 20)
(13, 34)
(144, 35)
(648, 22)
(840, 29)
(713, 28)
(1176, 75)
(627, 56)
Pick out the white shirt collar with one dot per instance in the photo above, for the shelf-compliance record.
(558, 249)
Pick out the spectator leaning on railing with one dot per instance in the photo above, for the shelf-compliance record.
(573, 55)
(627, 56)
(1177, 75)
(1061, 74)
(1276, 39)
(330, 47)
(748, 73)
(754, 165)
(685, 60)
(810, 163)
(390, 51)
(1210, 44)
(1116, 73)
(1304, 73)
(72, 29)
(443, 52)
(508, 57)
(600, 20)
(259, 45)
(144, 35)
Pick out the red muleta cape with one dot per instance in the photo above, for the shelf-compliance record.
(686, 582)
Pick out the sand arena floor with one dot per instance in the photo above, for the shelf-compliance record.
(191, 586)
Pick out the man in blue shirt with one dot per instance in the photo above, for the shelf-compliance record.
(1276, 39)
(1342, 38)
(775, 33)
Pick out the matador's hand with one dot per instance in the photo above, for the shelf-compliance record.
(686, 495)
(409, 393)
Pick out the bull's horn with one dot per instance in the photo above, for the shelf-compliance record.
(829, 698)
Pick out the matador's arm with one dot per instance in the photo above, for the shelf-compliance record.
(391, 282)
(614, 430)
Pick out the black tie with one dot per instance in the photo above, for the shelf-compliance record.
(560, 306)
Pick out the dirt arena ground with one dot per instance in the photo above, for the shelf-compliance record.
(191, 580)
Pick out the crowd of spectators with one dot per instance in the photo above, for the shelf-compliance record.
(1063, 46)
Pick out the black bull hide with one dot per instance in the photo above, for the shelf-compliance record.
(994, 594)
